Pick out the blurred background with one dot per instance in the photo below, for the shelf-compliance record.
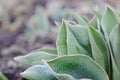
(26, 25)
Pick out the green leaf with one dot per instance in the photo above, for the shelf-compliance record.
(109, 19)
(98, 19)
(85, 79)
(99, 48)
(73, 40)
(34, 58)
(94, 23)
(78, 66)
(97, 13)
(43, 72)
(77, 42)
(61, 40)
(3, 77)
(81, 20)
(51, 51)
(67, 77)
(115, 70)
(81, 33)
(39, 72)
(115, 43)
(64, 77)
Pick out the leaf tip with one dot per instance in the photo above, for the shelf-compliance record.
(22, 74)
(18, 59)
(108, 7)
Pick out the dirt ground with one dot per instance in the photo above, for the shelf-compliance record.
(14, 17)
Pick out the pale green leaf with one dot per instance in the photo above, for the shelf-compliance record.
(61, 41)
(34, 58)
(81, 33)
(97, 13)
(99, 48)
(80, 36)
(78, 66)
(85, 79)
(98, 17)
(94, 23)
(64, 77)
(81, 20)
(115, 70)
(39, 72)
(109, 19)
(51, 51)
(42, 72)
(73, 41)
(115, 43)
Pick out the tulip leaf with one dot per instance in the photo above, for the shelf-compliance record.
(99, 48)
(77, 45)
(64, 77)
(93, 23)
(115, 43)
(51, 51)
(97, 13)
(42, 72)
(81, 20)
(115, 70)
(39, 72)
(78, 66)
(61, 41)
(109, 19)
(81, 33)
(34, 58)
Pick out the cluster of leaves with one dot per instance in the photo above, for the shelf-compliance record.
(89, 50)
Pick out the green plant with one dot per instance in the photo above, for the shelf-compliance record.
(38, 25)
(89, 52)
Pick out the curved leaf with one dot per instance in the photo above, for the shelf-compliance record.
(43, 72)
(98, 17)
(73, 40)
(39, 72)
(76, 42)
(115, 42)
(81, 20)
(109, 19)
(78, 66)
(97, 13)
(99, 48)
(64, 77)
(93, 22)
(51, 51)
(61, 41)
(34, 58)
